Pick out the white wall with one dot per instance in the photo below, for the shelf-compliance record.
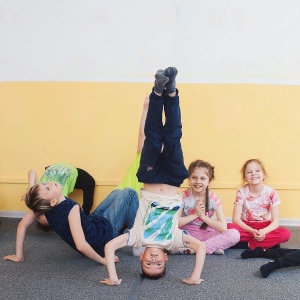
(210, 41)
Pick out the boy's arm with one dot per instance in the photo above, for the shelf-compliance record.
(110, 248)
(79, 239)
(27, 220)
(32, 178)
(141, 138)
(199, 247)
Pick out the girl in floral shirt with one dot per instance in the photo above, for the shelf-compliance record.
(256, 212)
(199, 206)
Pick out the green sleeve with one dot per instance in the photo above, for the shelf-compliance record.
(62, 173)
(130, 180)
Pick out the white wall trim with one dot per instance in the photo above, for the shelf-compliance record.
(12, 214)
(282, 222)
(21, 214)
(289, 222)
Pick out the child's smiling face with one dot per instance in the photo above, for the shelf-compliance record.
(199, 180)
(254, 174)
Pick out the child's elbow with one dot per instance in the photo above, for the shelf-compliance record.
(276, 223)
(201, 246)
(235, 220)
(108, 248)
(80, 248)
(31, 172)
(223, 227)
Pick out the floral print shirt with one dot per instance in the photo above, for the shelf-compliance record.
(257, 208)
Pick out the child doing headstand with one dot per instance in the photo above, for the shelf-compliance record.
(256, 212)
(199, 206)
(162, 171)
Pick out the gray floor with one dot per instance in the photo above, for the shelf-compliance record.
(52, 270)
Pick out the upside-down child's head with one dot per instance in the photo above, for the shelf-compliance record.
(153, 262)
(41, 197)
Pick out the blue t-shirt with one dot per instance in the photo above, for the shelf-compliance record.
(97, 230)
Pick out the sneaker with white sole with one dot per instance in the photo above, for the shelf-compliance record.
(219, 252)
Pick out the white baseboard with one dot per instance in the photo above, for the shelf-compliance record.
(21, 214)
(282, 222)
(289, 222)
(12, 214)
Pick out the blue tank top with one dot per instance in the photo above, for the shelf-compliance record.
(98, 231)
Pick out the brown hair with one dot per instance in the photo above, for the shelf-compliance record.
(255, 160)
(211, 176)
(35, 202)
(202, 164)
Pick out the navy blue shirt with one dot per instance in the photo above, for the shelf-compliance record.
(97, 230)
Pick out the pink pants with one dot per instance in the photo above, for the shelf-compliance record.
(213, 239)
(275, 237)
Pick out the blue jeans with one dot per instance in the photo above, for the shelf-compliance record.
(167, 165)
(119, 208)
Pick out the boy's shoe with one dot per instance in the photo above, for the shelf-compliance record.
(171, 73)
(255, 253)
(160, 81)
(219, 252)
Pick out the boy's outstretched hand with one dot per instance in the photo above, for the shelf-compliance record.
(13, 257)
(111, 282)
(192, 282)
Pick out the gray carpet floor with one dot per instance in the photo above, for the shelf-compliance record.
(52, 270)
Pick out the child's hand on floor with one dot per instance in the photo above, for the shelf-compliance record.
(108, 281)
(192, 282)
(13, 257)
